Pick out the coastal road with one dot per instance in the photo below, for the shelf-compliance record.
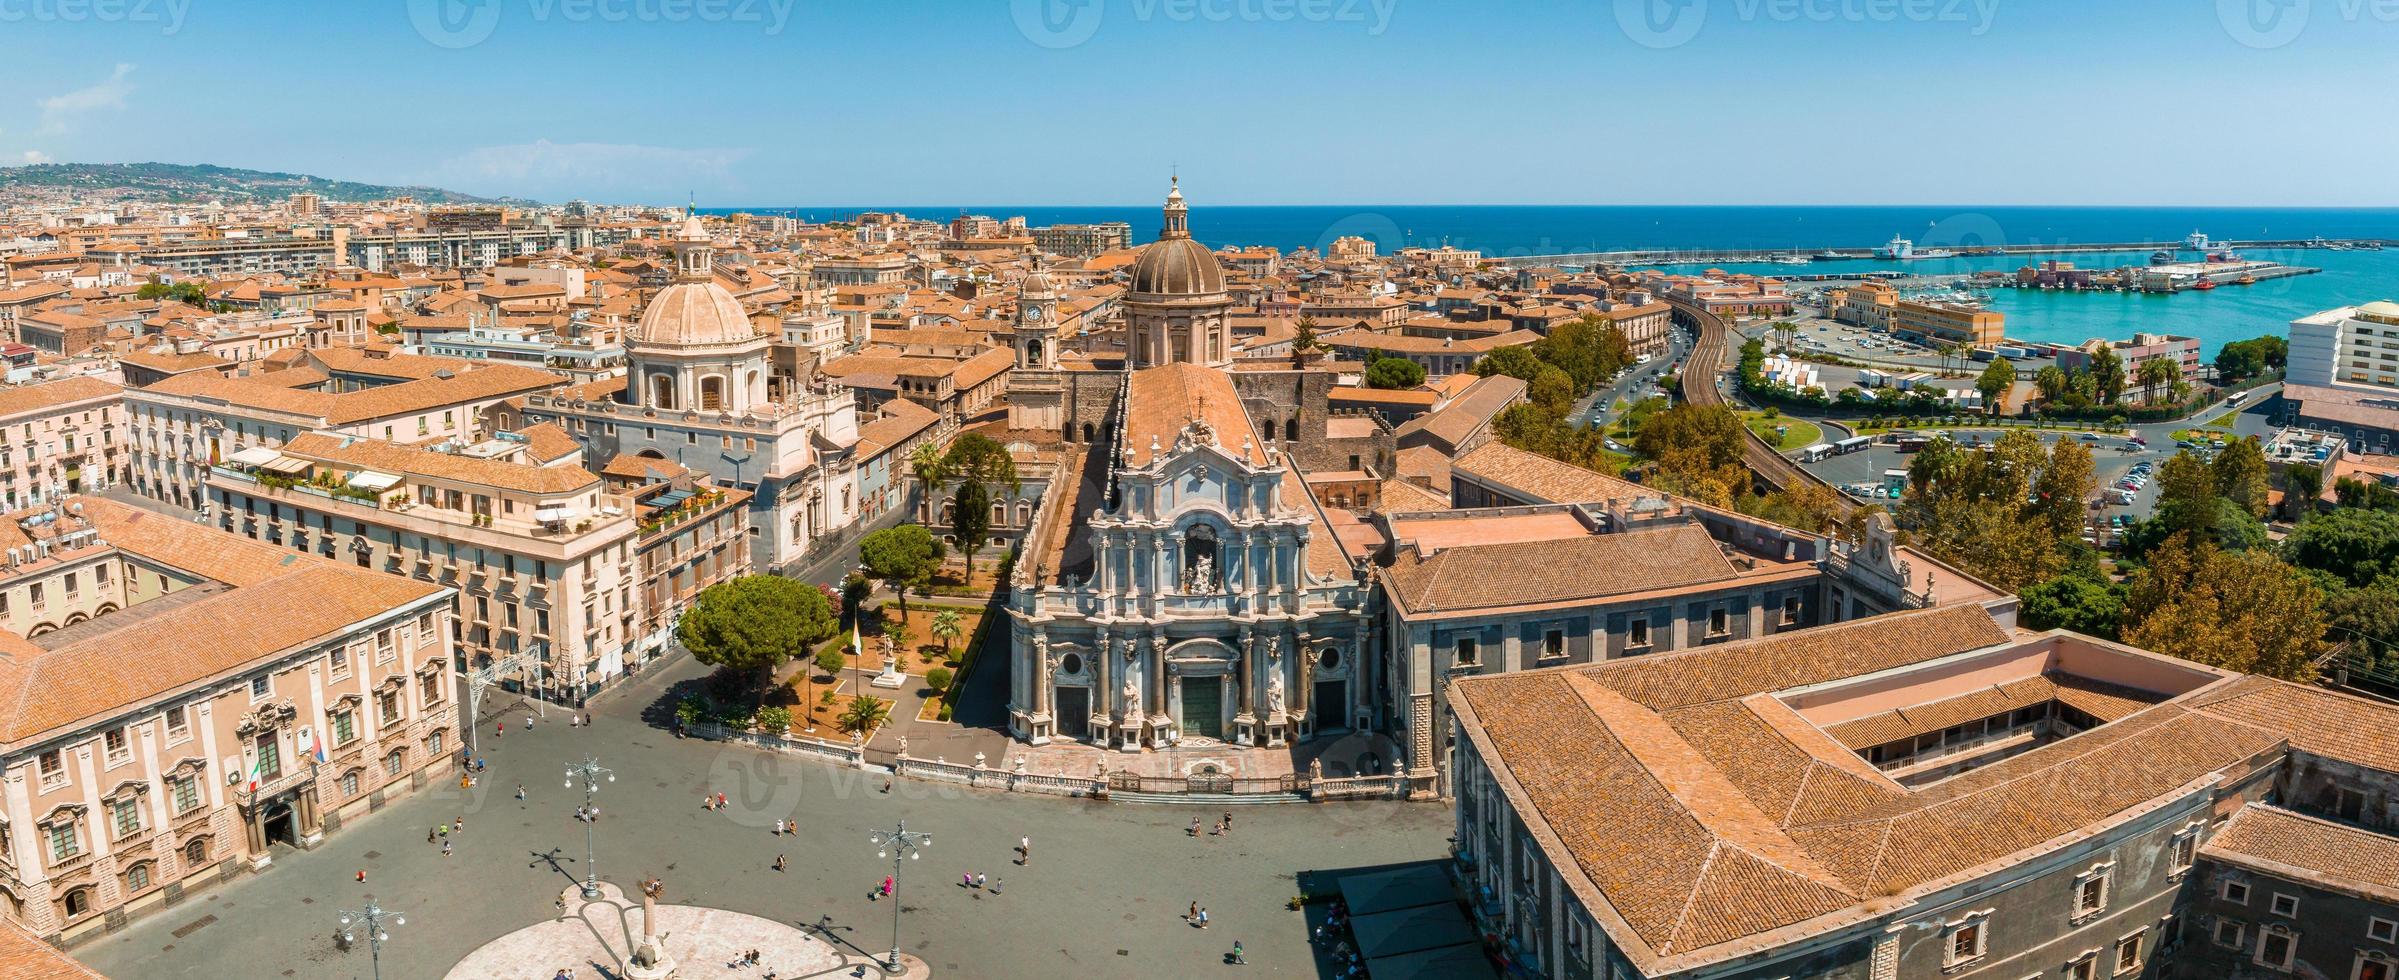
(1597, 407)
(1703, 383)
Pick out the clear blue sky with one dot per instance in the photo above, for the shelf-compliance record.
(2266, 102)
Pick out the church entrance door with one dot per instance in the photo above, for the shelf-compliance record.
(1074, 712)
(1203, 707)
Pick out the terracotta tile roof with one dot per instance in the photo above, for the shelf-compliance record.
(25, 957)
(1405, 497)
(1533, 572)
(901, 419)
(549, 442)
(279, 600)
(375, 454)
(1481, 402)
(2301, 848)
(2326, 723)
(17, 400)
(421, 395)
(1688, 760)
(1541, 479)
(630, 466)
(1163, 400)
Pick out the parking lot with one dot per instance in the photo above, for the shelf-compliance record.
(2111, 462)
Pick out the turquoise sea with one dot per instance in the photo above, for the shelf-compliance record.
(2216, 316)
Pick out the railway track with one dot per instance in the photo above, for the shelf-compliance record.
(1698, 381)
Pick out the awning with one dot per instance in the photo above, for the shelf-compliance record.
(285, 465)
(549, 514)
(373, 481)
(255, 456)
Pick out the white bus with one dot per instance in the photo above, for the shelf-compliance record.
(1815, 452)
(1853, 444)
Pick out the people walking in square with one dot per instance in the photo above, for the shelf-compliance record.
(1192, 916)
(886, 886)
(445, 848)
(458, 825)
(995, 886)
(978, 880)
(1236, 959)
(1024, 850)
(362, 876)
(520, 792)
(1194, 831)
(778, 862)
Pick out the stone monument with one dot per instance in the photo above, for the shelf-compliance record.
(650, 960)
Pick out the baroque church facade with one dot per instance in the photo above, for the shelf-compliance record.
(1189, 593)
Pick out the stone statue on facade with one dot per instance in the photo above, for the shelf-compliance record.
(1274, 693)
(1132, 694)
(1203, 576)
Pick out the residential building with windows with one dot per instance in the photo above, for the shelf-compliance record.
(181, 705)
(1083, 241)
(60, 437)
(1927, 793)
(1924, 321)
(537, 552)
(2352, 345)
(183, 425)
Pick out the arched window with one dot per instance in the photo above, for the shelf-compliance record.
(1201, 569)
(1291, 429)
(999, 514)
(1033, 353)
(1087, 432)
(196, 852)
(712, 394)
(78, 902)
(662, 391)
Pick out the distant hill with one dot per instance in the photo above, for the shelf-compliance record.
(198, 182)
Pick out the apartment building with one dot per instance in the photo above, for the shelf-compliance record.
(60, 437)
(2351, 345)
(1083, 241)
(537, 555)
(185, 424)
(182, 706)
(1924, 321)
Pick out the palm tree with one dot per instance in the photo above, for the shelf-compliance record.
(2052, 382)
(2155, 373)
(863, 714)
(945, 628)
(931, 469)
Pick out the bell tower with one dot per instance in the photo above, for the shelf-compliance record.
(1037, 324)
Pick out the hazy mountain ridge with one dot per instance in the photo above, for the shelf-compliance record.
(191, 183)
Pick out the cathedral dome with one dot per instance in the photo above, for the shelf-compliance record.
(1176, 267)
(693, 314)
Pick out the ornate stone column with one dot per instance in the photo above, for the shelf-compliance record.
(1306, 671)
(1249, 670)
(1157, 676)
(1103, 706)
(1044, 672)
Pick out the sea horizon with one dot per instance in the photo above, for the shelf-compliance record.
(1507, 230)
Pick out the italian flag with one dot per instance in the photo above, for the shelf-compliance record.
(316, 745)
(254, 777)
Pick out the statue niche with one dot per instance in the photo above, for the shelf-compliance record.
(1200, 566)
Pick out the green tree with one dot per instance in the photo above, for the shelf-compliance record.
(1553, 390)
(2302, 484)
(2091, 605)
(2107, 374)
(979, 465)
(1516, 362)
(864, 714)
(902, 637)
(856, 589)
(1304, 339)
(939, 678)
(1996, 379)
(946, 628)
(2186, 493)
(2156, 373)
(754, 623)
(2240, 472)
(2356, 546)
(1393, 373)
(903, 557)
(774, 719)
(2065, 485)
(2051, 382)
(2245, 611)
